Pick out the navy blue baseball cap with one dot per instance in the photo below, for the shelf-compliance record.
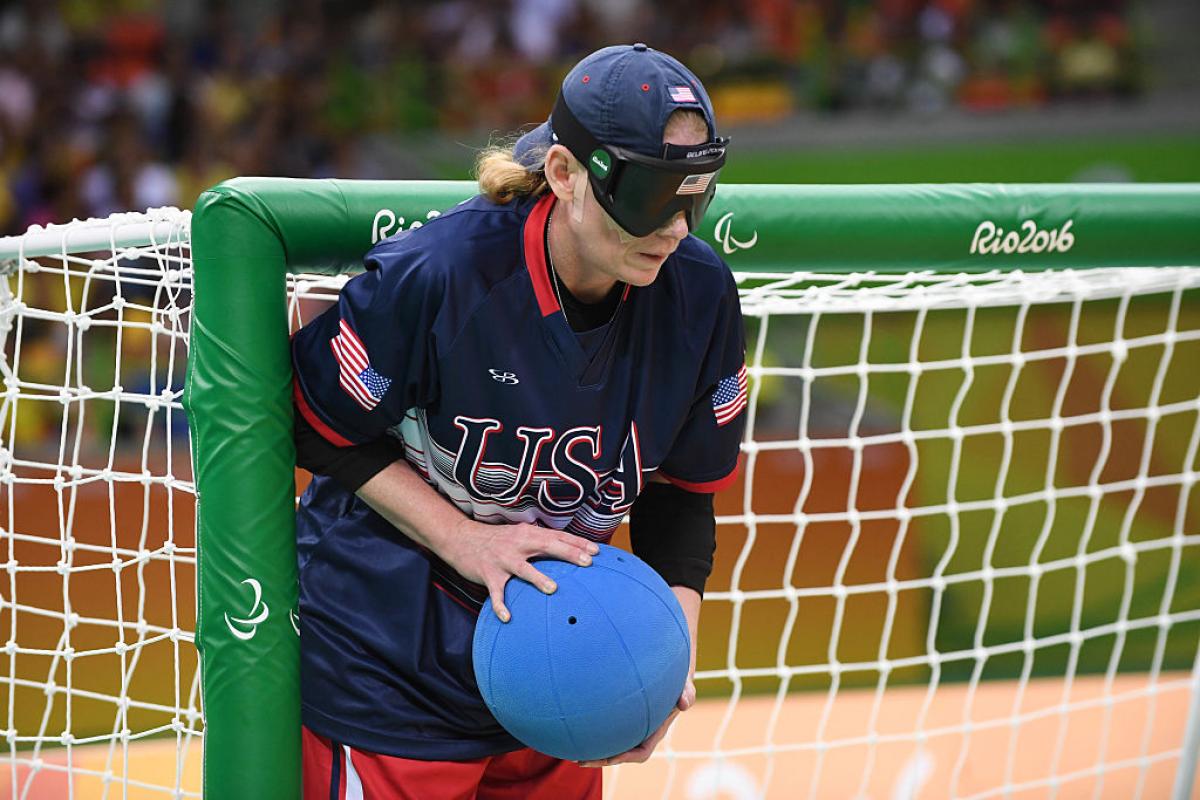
(611, 113)
(623, 95)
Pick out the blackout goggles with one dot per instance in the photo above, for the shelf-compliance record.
(642, 194)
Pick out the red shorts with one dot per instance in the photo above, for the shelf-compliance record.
(339, 772)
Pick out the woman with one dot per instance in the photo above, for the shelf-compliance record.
(503, 383)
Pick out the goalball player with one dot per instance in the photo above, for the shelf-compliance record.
(507, 382)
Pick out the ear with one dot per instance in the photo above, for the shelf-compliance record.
(563, 172)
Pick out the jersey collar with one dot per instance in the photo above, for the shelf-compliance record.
(534, 237)
(535, 255)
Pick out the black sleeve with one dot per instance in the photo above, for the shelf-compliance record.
(674, 531)
(349, 466)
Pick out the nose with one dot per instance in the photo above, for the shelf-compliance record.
(676, 228)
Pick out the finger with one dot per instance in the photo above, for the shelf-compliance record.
(637, 755)
(591, 548)
(568, 551)
(688, 698)
(496, 594)
(529, 573)
(563, 546)
(545, 538)
(570, 547)
(608, 762)
(643, 750)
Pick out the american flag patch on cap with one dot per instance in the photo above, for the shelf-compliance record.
(682, 94)
(695, 184)
(730, 397)
(355, 375)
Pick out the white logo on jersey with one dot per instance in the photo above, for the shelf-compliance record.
(611, 492)
(722, 233)
(251, 620)
(500, 376)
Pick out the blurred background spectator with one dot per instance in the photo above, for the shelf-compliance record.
(138, 103)
(132, 104)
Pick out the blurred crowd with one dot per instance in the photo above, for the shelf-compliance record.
(130, 104)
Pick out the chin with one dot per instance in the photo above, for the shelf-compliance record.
(641, 276)
(641, 271)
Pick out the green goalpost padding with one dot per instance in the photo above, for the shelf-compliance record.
(247, 234)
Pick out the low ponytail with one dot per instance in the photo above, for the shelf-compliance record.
(502, 178)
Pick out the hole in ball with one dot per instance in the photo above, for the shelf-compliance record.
(570, 620)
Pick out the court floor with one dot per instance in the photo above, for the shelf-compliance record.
(1105, 741)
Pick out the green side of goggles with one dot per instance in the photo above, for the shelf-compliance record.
(641, 193)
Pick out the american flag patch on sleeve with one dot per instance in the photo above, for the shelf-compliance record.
(355, 375)
(730, 397)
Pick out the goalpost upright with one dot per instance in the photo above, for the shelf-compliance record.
(246, 235)
(944, 245)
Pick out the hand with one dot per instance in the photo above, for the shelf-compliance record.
(491, 554)
(642, 752)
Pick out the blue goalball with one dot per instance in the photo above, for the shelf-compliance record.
(589, 671)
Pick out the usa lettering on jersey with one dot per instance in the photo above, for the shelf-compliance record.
(355, 374)
(558, 482)
(730, 397)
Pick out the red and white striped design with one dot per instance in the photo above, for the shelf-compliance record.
(726, 411)
(695, 184)
(682, 94)
(352, 361)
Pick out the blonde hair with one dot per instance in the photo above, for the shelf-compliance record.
(502, 178)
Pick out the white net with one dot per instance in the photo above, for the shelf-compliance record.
(961, 560)
(97, 507)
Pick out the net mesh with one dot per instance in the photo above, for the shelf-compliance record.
(97, 503)
(961, 559)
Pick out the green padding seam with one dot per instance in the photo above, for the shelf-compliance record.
(247, 233)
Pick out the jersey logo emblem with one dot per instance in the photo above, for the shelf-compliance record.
(500, 376)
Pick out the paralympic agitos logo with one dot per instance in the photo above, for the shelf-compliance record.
(245, 627)
(723, 233)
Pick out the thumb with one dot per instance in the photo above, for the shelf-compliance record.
(688, 698)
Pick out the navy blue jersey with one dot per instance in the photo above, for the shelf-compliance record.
(453, 341)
